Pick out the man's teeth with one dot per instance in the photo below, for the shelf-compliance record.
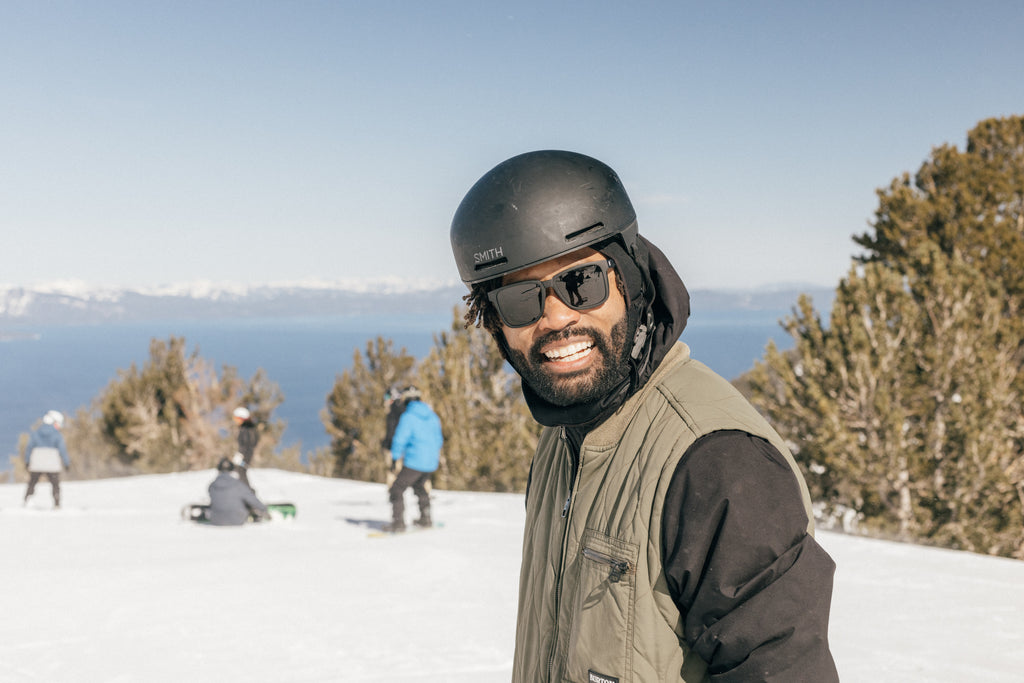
(567, 351)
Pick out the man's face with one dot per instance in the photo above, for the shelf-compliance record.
(570, 356)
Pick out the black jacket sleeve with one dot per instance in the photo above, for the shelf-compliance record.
(753, 587)
(391, 423)
(248, 437)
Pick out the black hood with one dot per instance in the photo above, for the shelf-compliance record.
(658, 307)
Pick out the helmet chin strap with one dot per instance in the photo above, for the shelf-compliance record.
(640, 338)
(639, 299)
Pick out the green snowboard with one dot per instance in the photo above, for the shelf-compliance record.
(197, 512)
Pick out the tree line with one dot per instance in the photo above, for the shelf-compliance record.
(174, 414)
(903, 406)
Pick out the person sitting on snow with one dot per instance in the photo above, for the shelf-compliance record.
(232, 502)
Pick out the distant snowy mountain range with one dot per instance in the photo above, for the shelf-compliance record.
(75, 303)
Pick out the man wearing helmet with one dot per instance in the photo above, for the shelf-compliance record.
(46, 453)
(668, 532)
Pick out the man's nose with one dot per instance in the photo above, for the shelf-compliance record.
(557, 315)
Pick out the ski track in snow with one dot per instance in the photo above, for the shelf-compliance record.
(117, 588)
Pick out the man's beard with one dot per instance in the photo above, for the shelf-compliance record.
(586, 386)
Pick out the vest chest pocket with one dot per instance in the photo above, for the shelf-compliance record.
(601, 635)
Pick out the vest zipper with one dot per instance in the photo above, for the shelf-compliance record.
(618, 567)
(575, 469)
(572, 477)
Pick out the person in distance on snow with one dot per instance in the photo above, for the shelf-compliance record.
(668, 528)
(232, 502)
(46, 453)
(415, 452)
(395, 403)
(248, 437)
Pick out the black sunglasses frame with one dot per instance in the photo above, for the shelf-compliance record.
(550, 284)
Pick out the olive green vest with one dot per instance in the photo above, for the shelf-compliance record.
(594, 605)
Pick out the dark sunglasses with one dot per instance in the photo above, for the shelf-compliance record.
(580, 287)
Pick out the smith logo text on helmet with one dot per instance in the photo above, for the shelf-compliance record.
(489, 255)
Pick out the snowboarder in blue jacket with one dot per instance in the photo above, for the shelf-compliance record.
(47, 454)
(416, 448)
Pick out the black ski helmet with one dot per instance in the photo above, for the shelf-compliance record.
(535, 207)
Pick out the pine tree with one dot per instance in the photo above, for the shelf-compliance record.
(969, 362)
(841, 397)
(489, 435)
(355, 413)
(968, 203)
(172, 414)
(906, 407)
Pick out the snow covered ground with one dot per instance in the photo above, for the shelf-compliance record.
(115, 587)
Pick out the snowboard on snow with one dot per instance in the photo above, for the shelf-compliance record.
(198, 512)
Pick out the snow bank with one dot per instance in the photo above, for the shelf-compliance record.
(116, 587)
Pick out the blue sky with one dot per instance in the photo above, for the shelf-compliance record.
(146, 143)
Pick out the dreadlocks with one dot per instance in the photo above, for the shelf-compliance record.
(480, 311)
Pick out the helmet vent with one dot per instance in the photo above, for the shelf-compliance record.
(573, 235)
(490, 264)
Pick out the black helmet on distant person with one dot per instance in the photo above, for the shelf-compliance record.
(225, 465)
(535, 207)
(402, 391)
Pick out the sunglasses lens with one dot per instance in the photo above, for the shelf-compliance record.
(583, 287)
(520, 303)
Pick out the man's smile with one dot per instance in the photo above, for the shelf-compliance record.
(570, 352)
(571, 355)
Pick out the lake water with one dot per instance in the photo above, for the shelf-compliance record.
(66, 367)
